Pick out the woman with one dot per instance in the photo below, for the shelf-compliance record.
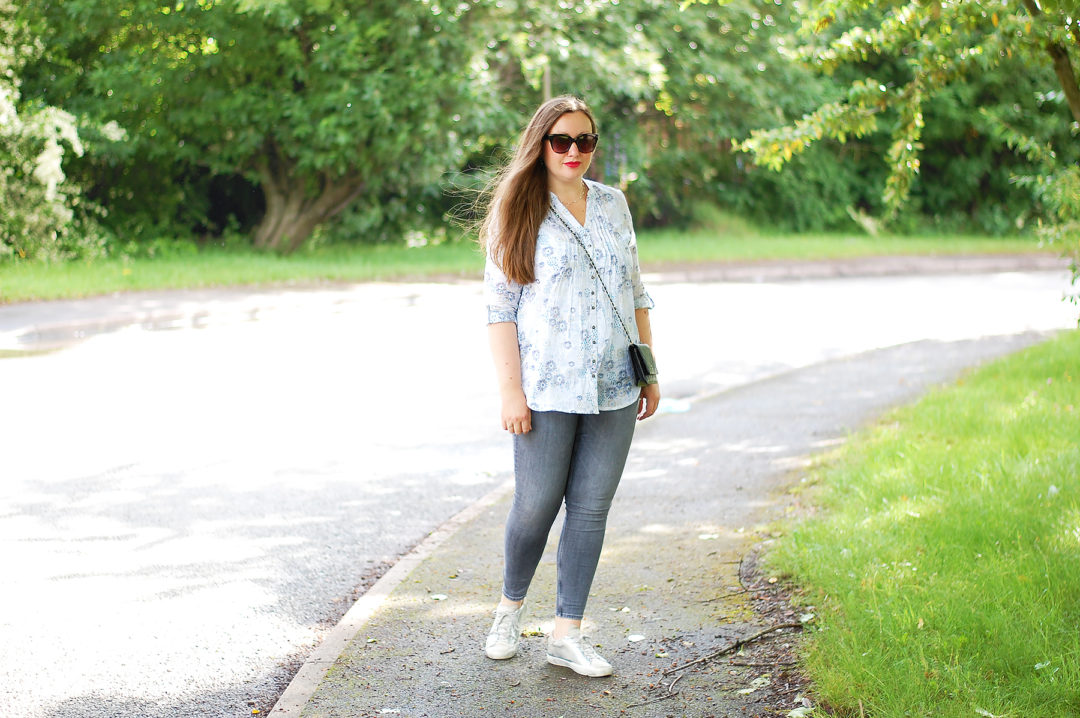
(561, 256)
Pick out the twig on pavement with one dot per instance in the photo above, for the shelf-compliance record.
(726, 595)
(671, 692)
(732, 647)
(654, 700)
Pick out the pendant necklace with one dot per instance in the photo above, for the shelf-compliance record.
(584, 192)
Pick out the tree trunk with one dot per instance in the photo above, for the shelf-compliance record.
(1059, 56)
(293, 211)
(1064, 70)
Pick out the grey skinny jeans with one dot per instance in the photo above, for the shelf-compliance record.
(579, 459)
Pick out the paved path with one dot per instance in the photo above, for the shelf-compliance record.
(185, 513)
(696, 487)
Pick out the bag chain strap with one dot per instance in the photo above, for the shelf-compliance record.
(618, 314)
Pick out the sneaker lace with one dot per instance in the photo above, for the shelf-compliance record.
(588, 650)
(504, 626)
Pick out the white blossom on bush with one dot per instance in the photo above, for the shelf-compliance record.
(54, 125)
(36, 201)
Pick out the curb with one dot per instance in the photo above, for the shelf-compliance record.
(307, 679)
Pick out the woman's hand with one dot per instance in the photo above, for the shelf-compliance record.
(649, 400)
(516, 416)
(650, 393)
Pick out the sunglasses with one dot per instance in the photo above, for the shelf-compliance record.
(560, 144)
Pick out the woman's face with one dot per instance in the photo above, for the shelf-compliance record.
(568, 168)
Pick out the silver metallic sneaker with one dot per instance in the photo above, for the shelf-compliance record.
(575, 653)
(505, 633)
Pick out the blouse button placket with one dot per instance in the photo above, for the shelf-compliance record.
(595, 358)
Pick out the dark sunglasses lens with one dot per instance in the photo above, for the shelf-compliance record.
(560, 143)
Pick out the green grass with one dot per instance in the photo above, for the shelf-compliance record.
(944, 560)
(722, 241)
(661, 247)
(231, 267)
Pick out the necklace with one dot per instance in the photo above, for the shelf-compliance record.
(584, 192)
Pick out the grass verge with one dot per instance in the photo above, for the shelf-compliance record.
(705, 245)
(217, 267)
(213, 267)
(944, 562)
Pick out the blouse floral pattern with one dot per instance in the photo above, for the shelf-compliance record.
(573, 349)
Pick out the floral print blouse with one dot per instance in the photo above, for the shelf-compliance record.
(574, 355)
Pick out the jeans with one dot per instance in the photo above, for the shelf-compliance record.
(579, 459)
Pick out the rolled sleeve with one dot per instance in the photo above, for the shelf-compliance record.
(500, 294)
(642, 300)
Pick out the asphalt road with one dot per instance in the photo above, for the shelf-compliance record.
(182, 513)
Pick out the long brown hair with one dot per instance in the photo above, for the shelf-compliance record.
(520, 200)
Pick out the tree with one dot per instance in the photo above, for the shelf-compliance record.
(940, 44)
(596, 50)
(670, 88)
(724, 78)
(318, 103)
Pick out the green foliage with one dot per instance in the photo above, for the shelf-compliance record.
(944, 565)
(42, 214)
(726, 75)
(1057, 187)
(948, 45)
(600, 51)
(317, 104)
(288, 119)
(671, 86)
(938, 45)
